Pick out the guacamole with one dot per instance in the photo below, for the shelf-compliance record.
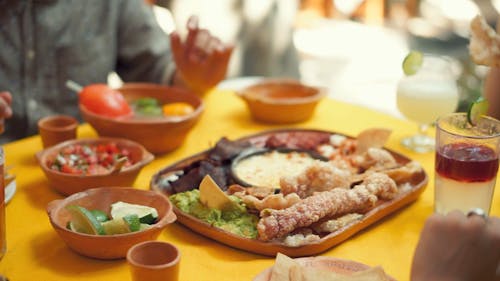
(235, 220)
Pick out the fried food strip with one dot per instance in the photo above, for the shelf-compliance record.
(317, 177)
(261, 198)
(484, 43)
(300, 239)
(258, 192)
(404, 173)
(336, 224)
(278, 223)
(400, 175)
(375, 159)
(274, 201)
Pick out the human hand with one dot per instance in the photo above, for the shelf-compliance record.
(5, 102)
(202, 59)
(456, 247)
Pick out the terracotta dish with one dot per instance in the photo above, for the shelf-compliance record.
(154, 260)
(336, 265)
(56, 129)
(108, 246)
(67, 184)
(281, 101)
(157, 135)
(162, 181)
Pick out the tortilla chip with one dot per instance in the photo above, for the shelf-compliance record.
(375, 137)
(371, 274)
(301, 273)
(281, 268)
(287, 269)
(296, 273)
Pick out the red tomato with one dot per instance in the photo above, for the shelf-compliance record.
(102, 100)
(70, 170)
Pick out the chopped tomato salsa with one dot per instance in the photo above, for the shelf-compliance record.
(89, 159)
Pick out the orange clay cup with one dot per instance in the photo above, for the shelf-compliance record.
(56, 129)
(201, 60)
(154, 261)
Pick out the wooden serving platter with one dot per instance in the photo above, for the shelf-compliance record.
(382, 208)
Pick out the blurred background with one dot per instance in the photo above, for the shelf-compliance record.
(353, 47)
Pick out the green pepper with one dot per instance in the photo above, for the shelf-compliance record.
(146, 102)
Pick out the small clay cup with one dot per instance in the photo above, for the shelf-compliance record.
(56, 129)
(154, 261)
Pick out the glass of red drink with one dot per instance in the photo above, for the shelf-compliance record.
(466, 163)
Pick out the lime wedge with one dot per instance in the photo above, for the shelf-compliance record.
(100, 215)
(83, 221)
(115, 226)
(146, 214)
(144, 226)
(477, 109)
(128, 223)
(133, 222)
(412, 62)
(148, 219)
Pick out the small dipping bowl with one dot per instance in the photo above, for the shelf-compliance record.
(154, 261)
(56, 129)
(281, 101)
(264, 167)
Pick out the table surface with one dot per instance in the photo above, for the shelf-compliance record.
(34, 250)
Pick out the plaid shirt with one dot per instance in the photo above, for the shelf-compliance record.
(44, 43)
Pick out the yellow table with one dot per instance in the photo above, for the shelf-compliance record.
(35, 252)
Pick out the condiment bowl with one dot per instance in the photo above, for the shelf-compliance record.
(108, 246)
(285, 161)
(158, 135)
(66, 183)
(281, 101)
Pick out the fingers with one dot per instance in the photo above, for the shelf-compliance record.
(202, 59)
(192, 22)
(493, 229)
(193, 30)
(5, 102)
(198, 52)
(6, 96)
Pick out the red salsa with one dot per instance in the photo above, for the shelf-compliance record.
(89, 159)
(467, 162)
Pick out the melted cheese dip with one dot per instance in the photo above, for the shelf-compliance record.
(267, 169)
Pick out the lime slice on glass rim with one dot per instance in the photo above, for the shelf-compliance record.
(412, 62)
(477, 109)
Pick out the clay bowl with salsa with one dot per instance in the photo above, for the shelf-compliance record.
(108, 246)
(158, 133)
(281, 101)
(76, 165)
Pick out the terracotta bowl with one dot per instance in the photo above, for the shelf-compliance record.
(158, 135)
(108, 246)
(281, 101)
(67, 184)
